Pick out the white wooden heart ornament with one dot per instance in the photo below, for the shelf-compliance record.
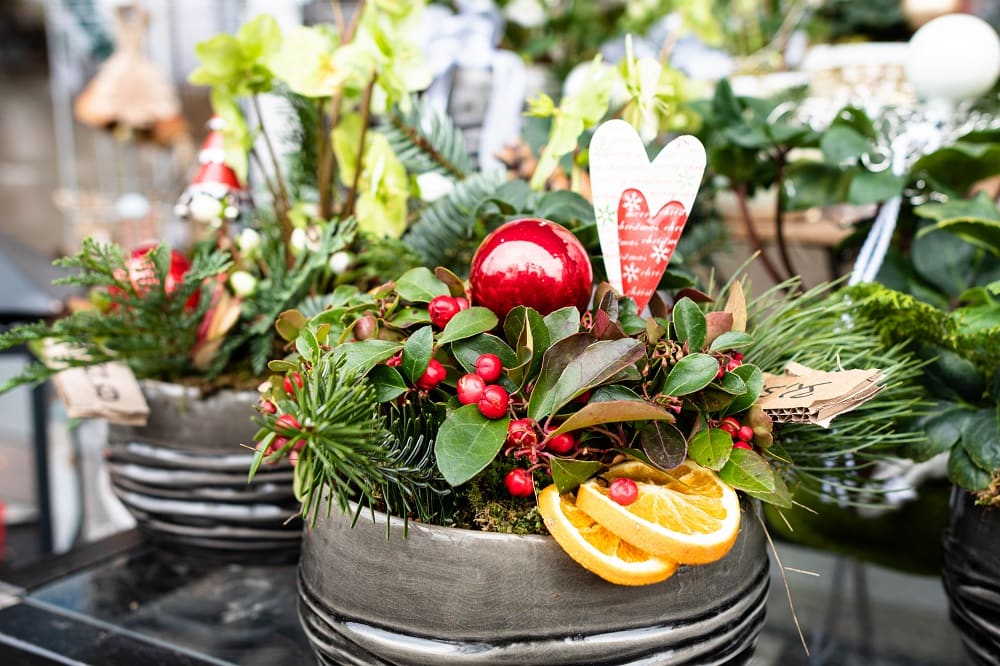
(641, 206)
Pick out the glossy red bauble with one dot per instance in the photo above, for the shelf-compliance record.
(519, 482)
(530, 262)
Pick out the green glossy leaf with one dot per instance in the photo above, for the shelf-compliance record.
(692, 373)
(554, 361)
(417, 353)
(842, 144)
(388, 383)
(980, 206)
(467, 323)
(568, 474)
(965, 473)
(307, 345)
(958, 165)
(753, 379)
(982, 233)
(942, 429)
(711, 447)
(360, 357)
(869, 187)
(467, 442)
(981, 437)
(596, 413)
(780, 496)
(419, 285)
(610, 392)
(689, 322)
(731, 384)
(748, 471)
(526, 329)
(289, 323)
(664, 445)
(468, 350)
(562, 323)
(597, 364)
(731, 340)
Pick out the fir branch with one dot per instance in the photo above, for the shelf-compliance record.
(427, 140)
(306, 134)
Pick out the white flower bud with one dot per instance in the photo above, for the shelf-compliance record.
(340, 262)
(433, 186)
(298, 241)
(248, 241)
(243, 284)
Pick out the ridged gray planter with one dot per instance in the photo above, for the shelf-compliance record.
(450, 596)
(184, 476)
(972, 575)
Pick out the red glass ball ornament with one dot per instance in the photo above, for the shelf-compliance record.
(530, 262)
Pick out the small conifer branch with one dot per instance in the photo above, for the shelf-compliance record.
(426, 146)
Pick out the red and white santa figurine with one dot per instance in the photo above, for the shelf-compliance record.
(215, 194)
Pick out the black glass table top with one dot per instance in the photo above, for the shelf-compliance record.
(136, 605)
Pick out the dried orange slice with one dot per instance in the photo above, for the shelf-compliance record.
(595, 548)
(687, 515)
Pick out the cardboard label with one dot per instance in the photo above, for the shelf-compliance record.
(619, 167)
(804, 395)
(107, 391)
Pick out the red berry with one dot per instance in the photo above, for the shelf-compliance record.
(522, 434)
(433, 375)
(561, 444)
(395, 361)
(297, 378)
(489, 367)
(623, 491)
(463, 302)
(267, 407)
(730, 425)
(745, 434)
(530, 262)
(442, 309)
(470, 388)
(737, 356)
(288, 422)
(493, 402)
(742, 445)
(293, 457)
(277, 444)
(721, 372)
(519, 482)
(732, 365)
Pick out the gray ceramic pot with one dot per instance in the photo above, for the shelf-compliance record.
(972, 575)
(451, 596)
(184, 476)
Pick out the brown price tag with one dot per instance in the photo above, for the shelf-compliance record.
(107, 391)
(804, 395)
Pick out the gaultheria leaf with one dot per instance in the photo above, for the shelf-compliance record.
(419, 285)
(689, 321)
(596, 413)
(663, 444)
(470, 349)
(417, 353)
(388, 383)
(711, 447)
(779, 497)
(467, 323)
(753, 379)
(467, 442)
(730, 383)
(307, 345)
(731, 340)
(555, 360)
(568, 474)
(692, 373)
(526, 328)
(595, 365)
(562, 323)
(610, 392)
(749, 472)
(360, 357)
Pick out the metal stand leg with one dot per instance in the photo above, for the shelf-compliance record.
(825, 642)
(40, 439)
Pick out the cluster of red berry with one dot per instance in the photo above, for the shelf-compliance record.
(525, 440)
(729, 362)
(478, 388)
(286, 425)
(742, 434)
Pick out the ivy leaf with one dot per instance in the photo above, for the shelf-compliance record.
(419, 285)
(596, 413)
(711, 447)
(361, 357)
(731, 340)
(690, 324)
(943, 430)
(562, 323)
(467, 323)
(663, 444)
(568, 474)
(753, 379)
(467, 442)
(417, 353)
(388, 383)
(692, 373)
(748, 471)
(468, 350)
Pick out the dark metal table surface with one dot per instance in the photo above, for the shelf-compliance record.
(117, 601)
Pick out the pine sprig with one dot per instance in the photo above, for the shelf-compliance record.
(152, 332)
(425, 140)
(447, 234)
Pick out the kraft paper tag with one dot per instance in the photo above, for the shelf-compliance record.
(641, 206)
(107, 391)
(804, 395)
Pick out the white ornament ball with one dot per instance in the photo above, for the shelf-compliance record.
(953, 58)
